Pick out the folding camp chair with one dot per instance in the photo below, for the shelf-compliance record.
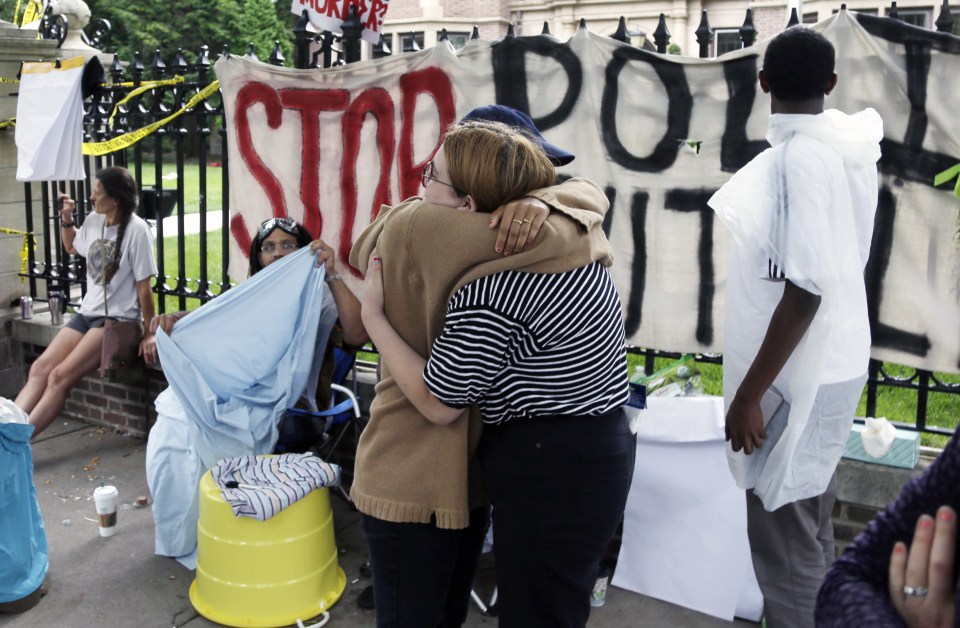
(322, 432)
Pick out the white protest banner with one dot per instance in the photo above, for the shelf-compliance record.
(328, 15)
(328, 146)
(49, 133)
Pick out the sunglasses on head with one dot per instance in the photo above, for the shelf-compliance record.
(289, 225)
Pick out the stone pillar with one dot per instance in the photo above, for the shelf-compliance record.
(16, 46)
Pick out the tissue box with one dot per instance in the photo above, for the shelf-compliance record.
(905, 452)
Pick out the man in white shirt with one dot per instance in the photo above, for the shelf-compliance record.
(797, 338)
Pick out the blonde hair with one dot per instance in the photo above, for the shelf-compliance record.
(495, 163)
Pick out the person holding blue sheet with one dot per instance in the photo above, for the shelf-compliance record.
(180, 449)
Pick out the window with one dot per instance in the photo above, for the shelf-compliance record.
(810, 18)
(410, 42)
(956, 22)
(725, 40)
(917, 17)
(458, 40)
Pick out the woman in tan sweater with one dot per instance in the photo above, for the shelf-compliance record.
(417, 483)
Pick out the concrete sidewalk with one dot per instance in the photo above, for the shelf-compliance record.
(118, 582)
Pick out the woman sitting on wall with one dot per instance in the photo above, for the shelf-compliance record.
(118, 248)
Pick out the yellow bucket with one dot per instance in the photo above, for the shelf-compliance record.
(265, 573)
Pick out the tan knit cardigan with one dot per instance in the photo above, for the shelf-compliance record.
(407, 468)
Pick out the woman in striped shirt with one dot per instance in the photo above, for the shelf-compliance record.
(542, 355)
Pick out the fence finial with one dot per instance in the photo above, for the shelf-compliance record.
(621, 33)
(157, 65)
(748, 34)
(893, 12)
(444, 36)
(116, 68)
(546, 28)
(276, 55)
(661, 36)
(203, 60)
(583, 24)
(251, 54)
(352, 28)
(302, 38)
(381, 49)
(510, 30)
(476, 32)
(794, 18)
(704, 35)
(180, 62)
(945, 20)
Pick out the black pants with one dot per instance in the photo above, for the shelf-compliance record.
(558, 486)
(422, 574)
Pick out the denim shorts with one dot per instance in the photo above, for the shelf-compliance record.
(83, 324)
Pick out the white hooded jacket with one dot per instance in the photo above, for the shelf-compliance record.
(805, 206)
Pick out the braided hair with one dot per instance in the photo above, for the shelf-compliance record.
(119, 185)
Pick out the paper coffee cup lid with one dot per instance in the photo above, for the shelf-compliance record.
(105, 491)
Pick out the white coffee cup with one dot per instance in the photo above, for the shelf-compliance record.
(105, 499)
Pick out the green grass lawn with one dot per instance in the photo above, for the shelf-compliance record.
(191, 184)
(171, 269)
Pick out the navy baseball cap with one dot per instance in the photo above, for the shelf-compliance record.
(520, 120)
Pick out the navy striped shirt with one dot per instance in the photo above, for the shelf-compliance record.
(529, 344)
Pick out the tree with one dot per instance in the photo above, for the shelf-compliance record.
(262, 26)
(167, 25)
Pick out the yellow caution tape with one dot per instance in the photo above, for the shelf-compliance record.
(947, 175)
(143, 87)
(6, 80)
(29, 242)
(131, 138)
(32, 13)
(5, 123)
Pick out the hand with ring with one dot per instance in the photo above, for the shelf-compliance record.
(922, 576)
(519, 222)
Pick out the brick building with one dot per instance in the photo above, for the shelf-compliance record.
(423, 20)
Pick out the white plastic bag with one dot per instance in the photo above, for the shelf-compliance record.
(49, 132)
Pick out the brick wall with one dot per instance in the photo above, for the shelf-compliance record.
(863, 489)
(126, 408)
(769, 21)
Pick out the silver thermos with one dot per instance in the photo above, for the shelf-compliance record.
(54, 300)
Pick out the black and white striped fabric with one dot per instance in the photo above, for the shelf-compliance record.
(774, 271)
(260, 487)
(528, 344)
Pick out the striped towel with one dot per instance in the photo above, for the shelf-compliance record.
(262, 486)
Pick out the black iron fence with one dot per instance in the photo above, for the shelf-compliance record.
(197, 136)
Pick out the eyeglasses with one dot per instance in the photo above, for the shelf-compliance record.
(426, 176)
(286, 245)
(289, 225)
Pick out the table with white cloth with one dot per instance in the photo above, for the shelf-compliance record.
(685, 524)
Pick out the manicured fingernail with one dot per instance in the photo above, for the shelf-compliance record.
(945, 515)
(507, 253)
(899, 548)
(499, 249)
(925, 522)
(491, 223)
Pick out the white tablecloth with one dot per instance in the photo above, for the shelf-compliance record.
(685, 525)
